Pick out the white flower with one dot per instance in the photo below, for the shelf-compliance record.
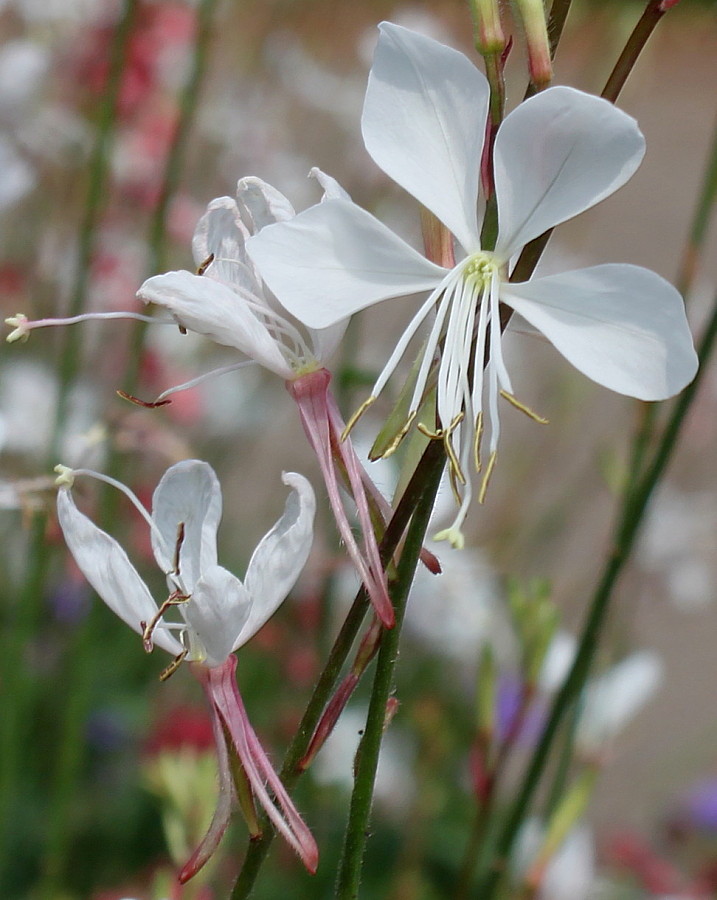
(556, 155)
(218, 613)
(227, 301)
(614, 698)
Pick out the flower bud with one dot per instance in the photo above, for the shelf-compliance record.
(532, 12)
(489, 36)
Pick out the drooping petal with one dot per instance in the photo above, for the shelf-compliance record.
(107, 568)
(222, 690)
(424, 122)
(217, 611)
(218, 245)
(311, 395)
(261, 203)
(556, 155)
(621, 325)
(334, 259)
(223, 811)
(224, 314)
(188, 493)
(279, 557)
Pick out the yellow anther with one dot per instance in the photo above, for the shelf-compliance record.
(486, 477)
(173, 666)
(431, 435)
(455, 466)
(174, 599)
(477, 438)
(523, 408)
(356, 416)
(393, 446)
(205, 265)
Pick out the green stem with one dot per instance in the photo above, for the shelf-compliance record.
(556, 22)
(174, 164)
(21, 614)
(17, 702)
(71, 357)
(367, 755)
(626, 532)
(633, 48)
(430, 463)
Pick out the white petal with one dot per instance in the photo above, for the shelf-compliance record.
(324, 341)
(187, 493)
(222, 234)
(332, 189)
(622, 326)
(209, 307)
(262, 203)
(280, 556)
(424, 122)
(217, 612)
(334, 259)
(105, 565)
(556, 155)
(614, 698)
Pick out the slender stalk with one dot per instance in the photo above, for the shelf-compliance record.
(556, 22)
(18, 693)
(625, 534)
(370, 746)
(633, 48)
(430, 466)
(71, 357)
(174, 164)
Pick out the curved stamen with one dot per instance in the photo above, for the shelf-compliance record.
(205, 377)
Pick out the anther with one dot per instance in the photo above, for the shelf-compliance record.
(455, 465)
(477, 438)
(178, 547)
(174, 599)
(523, 408)
(205, 265)
(486, 477)
(393, 446)
(145, 404)
(356, 416)
(173, 666)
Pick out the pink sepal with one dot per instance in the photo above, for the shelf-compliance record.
(221, 688)
(323, 426)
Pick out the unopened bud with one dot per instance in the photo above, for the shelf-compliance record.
(489, 36)
(532, 12)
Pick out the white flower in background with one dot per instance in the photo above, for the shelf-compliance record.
(614, 698)
(556, 155)
(218, 614)
(569, 874)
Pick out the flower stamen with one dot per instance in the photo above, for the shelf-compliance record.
(486, 477)
(175, 599)
(356, 416)
(523, 408)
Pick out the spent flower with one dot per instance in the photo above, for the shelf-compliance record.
(218, 614)
(556, 155)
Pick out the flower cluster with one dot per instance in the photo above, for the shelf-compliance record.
(280, 288)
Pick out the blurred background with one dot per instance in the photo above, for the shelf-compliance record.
(207, 92)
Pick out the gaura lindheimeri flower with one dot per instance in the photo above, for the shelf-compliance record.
(556, 155)
(213, 612)
(229, 304)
